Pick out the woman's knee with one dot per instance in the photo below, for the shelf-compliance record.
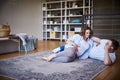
(63, 59)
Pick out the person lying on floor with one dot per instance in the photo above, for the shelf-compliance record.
(75, 44)
(105, 51)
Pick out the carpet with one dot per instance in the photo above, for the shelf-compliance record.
(31, 67)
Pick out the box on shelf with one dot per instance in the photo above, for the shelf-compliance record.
(71, 33)
(54, 35)
(56, 28)
(77, 29)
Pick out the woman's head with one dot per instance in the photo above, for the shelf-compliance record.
(87, 32)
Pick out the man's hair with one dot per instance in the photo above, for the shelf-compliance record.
(84, 30)
(115, 44)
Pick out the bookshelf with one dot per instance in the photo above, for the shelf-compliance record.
(62, 19)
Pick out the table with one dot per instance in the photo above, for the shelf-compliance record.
(12, 37)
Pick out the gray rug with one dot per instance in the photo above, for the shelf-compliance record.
(31, 67)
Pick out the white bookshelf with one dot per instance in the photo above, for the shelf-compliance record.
(62, 19)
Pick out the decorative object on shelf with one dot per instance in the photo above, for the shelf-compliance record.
(65, 21)
(88, 23)
(44, 8)
(48, 15)
(4, 30)
(76, 21)
(71, 14)
(55, 22)
(74, 5)
(51, 22)
(44, 22)
(49, 30)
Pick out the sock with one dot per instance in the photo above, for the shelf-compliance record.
(56, 50)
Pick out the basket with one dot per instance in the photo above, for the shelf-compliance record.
(4, 30)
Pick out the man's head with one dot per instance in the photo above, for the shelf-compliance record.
(114, 45)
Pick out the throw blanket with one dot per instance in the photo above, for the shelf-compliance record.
(28, 41)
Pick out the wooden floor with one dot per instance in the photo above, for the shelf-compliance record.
(111, 73)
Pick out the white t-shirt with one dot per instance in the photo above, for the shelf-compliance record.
(97, 52)
(77, 39)
(85, 55)
(85, 46)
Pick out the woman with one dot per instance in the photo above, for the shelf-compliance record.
(75, 45)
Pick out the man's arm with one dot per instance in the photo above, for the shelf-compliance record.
(107, 59)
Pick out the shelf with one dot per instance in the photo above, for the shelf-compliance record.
(53, 24)
(53, 2)
(65, 15)
(53, 16)
(74, 16)
(74, 23)
(62, 16)
(76, 8)
(57, 9)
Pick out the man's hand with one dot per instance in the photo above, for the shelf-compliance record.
(107, 46)
(107, 59)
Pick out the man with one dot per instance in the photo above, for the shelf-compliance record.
(105, 51)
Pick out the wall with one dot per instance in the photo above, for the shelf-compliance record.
(108, 26)
(23, 16)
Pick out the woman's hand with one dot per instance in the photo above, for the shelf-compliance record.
(73, 44)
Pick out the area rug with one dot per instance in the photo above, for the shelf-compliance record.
(31, 67)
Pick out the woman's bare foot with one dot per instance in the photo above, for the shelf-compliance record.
(49, 58)
(44, 58)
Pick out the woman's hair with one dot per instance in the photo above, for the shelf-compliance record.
(82, 33)
(115, 44)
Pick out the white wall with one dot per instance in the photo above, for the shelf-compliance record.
(23, 16)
